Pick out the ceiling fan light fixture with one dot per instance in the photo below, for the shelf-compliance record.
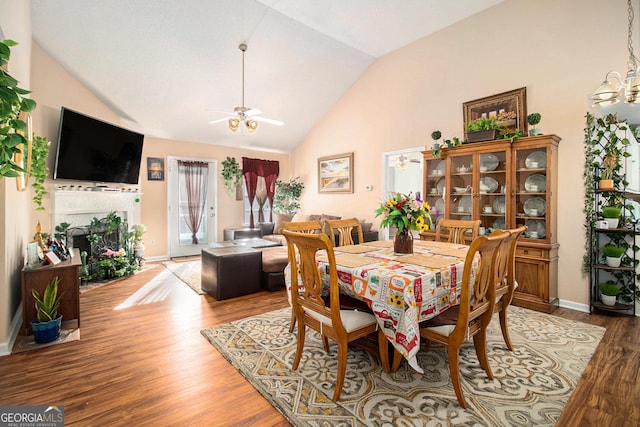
(234, 124)
(252, 125)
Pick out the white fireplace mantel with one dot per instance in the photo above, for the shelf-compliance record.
(78, 208)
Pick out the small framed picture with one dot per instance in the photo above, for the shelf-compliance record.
(52, 258)
(155, 169)
(335, 174)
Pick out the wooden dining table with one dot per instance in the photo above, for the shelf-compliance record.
(401, 290)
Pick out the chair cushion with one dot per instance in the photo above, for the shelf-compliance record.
(351, 319)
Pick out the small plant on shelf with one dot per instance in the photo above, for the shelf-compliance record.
(436, 135)
(611, 214)
(609, 292)
(609, 288)
(533, 119)
(613, 254)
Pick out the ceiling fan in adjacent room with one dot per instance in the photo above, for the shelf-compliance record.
(245, 117)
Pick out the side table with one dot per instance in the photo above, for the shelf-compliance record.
(38, 278)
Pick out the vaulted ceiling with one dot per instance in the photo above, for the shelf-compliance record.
(167, 67)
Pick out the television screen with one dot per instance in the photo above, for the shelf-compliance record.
(95, 151)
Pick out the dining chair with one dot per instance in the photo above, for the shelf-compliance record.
(456, 230)
(472, 316)
(344, 228)
(311, 309)
(311, 227)
(506, 288)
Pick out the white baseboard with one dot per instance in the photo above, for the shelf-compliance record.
(14, 330)
(574, 306)
(157, 258)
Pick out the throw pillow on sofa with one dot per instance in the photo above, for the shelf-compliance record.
(279, 219)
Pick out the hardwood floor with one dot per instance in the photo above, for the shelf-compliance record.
(142, 361)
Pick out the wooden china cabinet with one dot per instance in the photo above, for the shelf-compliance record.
(504, 185)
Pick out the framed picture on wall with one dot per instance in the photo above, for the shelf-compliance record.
(155, 169)
(509, 108)
(335, 174)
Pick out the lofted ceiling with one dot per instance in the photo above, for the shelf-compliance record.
(168, 66)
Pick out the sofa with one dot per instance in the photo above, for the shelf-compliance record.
(274, 259)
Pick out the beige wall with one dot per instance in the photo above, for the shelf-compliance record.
(559, 50)
(15, 225)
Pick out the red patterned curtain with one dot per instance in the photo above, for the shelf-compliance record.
(269, 170)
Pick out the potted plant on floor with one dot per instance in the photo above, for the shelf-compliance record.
(613, 254)
(611, 215)
(46, 325)
(609, 293)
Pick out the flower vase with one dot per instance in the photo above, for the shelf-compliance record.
(138, 252)
(403, 242)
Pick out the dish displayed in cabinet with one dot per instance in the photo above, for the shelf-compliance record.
(488, 184)
(465, 204)
(535, 206)
(536, 229)
(488, 162)
(536, 183)
(440, 185)
(500, 204)
(440, 168)
(500, 224)
(440, 206)
(535, 160)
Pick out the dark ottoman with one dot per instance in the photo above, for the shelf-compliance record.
(230, 272)
(274, 260)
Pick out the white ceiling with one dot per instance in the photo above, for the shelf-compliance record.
(167, 66)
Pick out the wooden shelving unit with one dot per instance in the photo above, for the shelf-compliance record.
(505, 185)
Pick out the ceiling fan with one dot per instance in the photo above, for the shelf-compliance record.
(245, 117)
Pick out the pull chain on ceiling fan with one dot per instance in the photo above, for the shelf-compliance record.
(244, 117)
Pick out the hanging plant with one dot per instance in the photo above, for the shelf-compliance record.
(12, 102)
(39, 169)
(287, 197)
(231, 174)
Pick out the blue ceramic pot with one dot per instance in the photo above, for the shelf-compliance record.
(46, 331)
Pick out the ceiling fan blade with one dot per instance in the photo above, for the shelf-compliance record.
(221, 120)
(266, 120)
(252, 112)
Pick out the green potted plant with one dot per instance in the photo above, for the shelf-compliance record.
(231, 174)
(12, 127)
(46, 325)
(533, 119)
(609, 164)
(138, 245)
(613, 254)
(482, 129)
(287, 197)
(609, 292)
(436, 135)
(611, 215)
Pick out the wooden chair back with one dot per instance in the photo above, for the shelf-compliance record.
(473, 315)
(456, 229)
(507, 287)
(311, 310)
(344, 228)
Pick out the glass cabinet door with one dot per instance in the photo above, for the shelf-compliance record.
(460, 196)
(531, 193)
(492, 191)
(435, 187)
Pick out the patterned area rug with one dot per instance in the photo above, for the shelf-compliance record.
(531, 385)
(188, 272)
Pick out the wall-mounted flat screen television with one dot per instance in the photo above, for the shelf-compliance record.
(94, 151)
